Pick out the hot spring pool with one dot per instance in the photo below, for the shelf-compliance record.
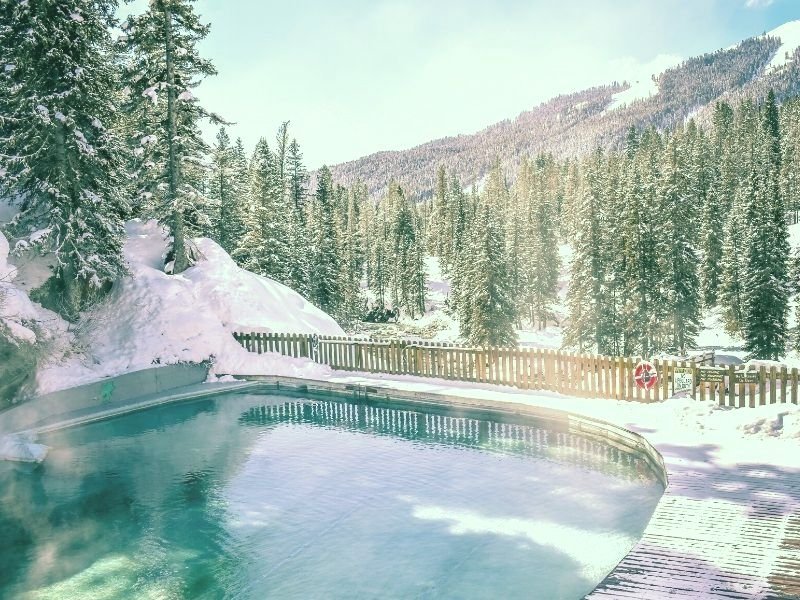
(268, 496)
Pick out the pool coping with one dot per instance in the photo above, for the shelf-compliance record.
(677, 556)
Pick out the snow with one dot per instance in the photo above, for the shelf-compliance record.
(767, 433)
(637, 90)
(22, 448)
(186, 95)
(151, 93)
(76, 16)
(642, 79)
(16, 310)
(789, 34)
(153, 318)
(712, 332)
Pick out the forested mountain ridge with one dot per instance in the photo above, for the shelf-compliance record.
(574, 124)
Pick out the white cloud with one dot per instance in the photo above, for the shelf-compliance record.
(758, 3)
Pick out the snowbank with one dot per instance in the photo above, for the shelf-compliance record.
(17, 312)
(153, 318)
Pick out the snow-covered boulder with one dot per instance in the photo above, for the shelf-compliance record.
(154, 318)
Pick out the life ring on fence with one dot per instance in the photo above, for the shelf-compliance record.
(645, 375)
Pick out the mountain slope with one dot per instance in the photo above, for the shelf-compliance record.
(573, 124)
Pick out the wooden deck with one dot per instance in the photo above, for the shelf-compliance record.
(732, 534)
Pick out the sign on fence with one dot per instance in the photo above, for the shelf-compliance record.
(711, 374)
(746, 377)
(683, 379)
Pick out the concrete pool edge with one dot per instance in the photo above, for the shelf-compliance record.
(596, 429)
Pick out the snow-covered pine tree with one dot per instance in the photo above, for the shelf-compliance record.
(543, 266)
(766, 282)
(58, 148)
(405, 252)
(298, 177)
(718, 202)
(353, 253)
(492, 311)
(678, 257)
(162, 60)
(325, 269)
(587, 270)
(226, 191)
(265, 248)
(520, 240)
(440, 230)
(645, 307)
(485, 305)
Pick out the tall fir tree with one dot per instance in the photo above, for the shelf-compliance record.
(265, 248)
(488, 309)
(766, 277)
(59, 151)
(679, 262)
(163, 61)
(325, 268)
(226, 189)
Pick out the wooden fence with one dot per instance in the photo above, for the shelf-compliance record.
(582, 375)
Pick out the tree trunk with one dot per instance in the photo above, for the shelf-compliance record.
(180, 258)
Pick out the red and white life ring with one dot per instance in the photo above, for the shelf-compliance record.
(645, 375)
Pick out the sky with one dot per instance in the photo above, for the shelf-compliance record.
(355, 77)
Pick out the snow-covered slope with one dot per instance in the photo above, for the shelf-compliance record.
(789, 34)
(154, 318)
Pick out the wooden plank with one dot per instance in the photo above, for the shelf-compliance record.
(731, 385)
(773, 384)
(795, 381)
(784, 384)
(762, 386)
(742, 390)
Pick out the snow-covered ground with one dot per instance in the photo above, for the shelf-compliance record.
(152, 318)
(789, 34)
(17, 312)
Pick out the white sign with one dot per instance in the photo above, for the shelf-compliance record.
(683, 380)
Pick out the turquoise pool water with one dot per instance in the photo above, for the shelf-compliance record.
(266, 496)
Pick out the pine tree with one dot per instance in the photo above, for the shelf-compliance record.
(58, 147)
(490, 306)
(766, 278)
(406, 251)
(587, 276)
(543, 263)
(265, 248)
(353, 252)
(225, 190)
(163, 61)
(325, 281)
(679, 262)
(297, 176)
